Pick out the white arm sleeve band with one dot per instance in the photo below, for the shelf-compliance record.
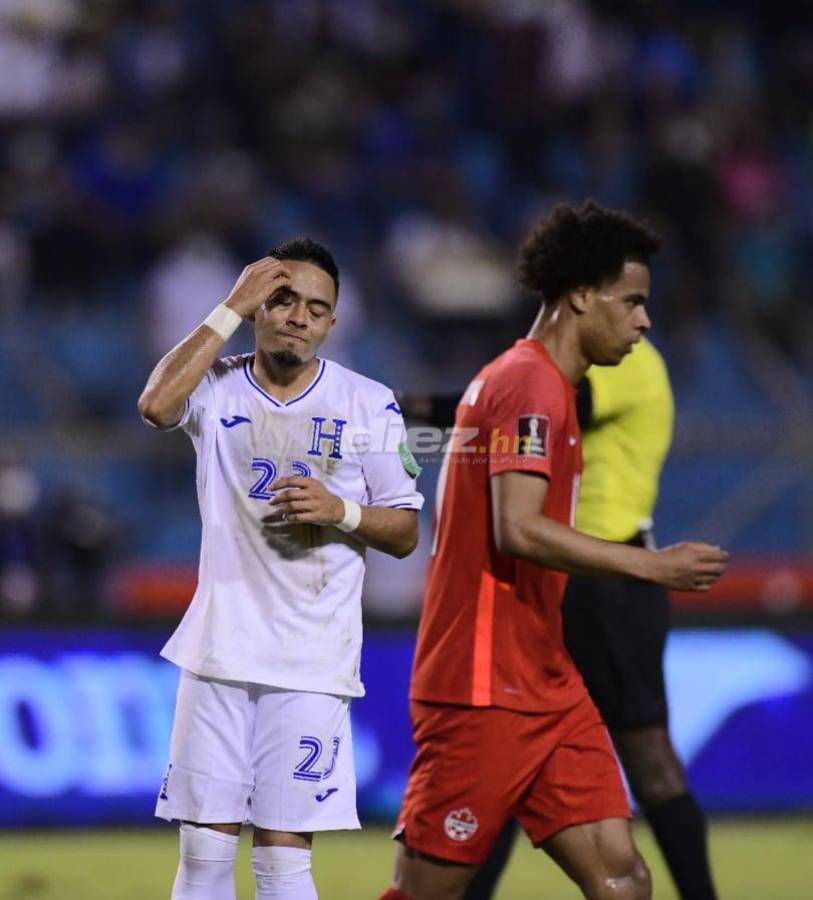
(223, 321)
(352, 516)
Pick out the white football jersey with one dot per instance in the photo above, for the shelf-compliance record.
(280, 604)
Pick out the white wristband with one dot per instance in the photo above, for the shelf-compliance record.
(352, 516)
(224, 321)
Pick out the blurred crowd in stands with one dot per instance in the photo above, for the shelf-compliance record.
(151, 148)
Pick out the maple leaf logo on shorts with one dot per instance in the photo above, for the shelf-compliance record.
(461, 824)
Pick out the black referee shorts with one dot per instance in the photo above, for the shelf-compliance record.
(615, 629)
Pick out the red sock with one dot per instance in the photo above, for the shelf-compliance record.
(393, 894)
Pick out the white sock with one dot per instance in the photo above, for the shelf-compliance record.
(283, 872)
(206, 869)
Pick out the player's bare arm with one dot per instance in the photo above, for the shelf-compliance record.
(307, 500)
(521, 530)
(178, 374)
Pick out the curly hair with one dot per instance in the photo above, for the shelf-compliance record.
(306, 250)
(582, 247)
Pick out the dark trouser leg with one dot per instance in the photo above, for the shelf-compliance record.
(658, 783)
(680, 830)
(484, 883)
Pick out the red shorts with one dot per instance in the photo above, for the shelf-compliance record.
(477, 767)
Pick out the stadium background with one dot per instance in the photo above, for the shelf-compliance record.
(150, 149)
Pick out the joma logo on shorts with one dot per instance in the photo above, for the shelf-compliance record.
(461, 824)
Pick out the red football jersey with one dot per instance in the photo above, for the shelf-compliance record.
(491, 626)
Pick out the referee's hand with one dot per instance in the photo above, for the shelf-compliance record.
(689, 566)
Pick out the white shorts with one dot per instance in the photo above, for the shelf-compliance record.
(244, 752)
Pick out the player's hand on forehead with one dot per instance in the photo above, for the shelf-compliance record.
(256, 284)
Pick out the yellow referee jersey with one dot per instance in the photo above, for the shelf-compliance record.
(625, 444)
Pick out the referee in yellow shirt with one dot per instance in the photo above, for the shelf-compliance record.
(615, 627)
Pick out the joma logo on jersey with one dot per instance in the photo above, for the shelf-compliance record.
(320, 434)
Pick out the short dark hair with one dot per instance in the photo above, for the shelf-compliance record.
(307, 250)
(582, 247)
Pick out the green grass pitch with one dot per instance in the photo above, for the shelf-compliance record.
(754, 860)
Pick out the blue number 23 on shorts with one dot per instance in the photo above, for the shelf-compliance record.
(305, 770)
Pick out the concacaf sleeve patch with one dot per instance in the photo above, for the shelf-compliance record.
(532, 435)
(409, 462)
